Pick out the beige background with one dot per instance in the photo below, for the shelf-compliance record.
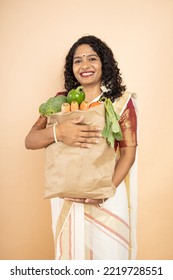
(35, 36)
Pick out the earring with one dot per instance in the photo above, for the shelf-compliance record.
(104, 88)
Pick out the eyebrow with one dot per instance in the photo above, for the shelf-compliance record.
(89, 55)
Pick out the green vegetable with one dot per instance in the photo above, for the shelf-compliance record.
(76, 95)
(112, 130)
(42, 109)
(53, 105)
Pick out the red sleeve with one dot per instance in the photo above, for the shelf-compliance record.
(128, 124)
(61, 93)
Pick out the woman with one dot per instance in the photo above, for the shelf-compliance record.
(83, 229)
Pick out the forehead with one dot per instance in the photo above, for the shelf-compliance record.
(84, 49)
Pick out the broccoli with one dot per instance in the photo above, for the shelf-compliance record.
(42, 109)
(52, 106)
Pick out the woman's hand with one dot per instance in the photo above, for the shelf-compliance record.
(74, 133)
(98, 202)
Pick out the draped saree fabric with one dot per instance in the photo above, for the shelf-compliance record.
(89, 232)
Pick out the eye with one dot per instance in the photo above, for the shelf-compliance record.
(77, 61)
(92, 59)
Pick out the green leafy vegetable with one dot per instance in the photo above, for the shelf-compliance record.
(112, 130)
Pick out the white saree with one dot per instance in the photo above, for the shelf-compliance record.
(88, 232)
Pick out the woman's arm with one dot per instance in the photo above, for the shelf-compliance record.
(70, 133)
(127, 146)
(39, 138)
(126, 160)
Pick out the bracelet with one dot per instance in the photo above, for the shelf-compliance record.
(54, 133)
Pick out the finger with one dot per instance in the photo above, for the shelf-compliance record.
(90, 128)
(82, 145)
(78, 200)
(94, 201)
(88, 140)
(91, 134)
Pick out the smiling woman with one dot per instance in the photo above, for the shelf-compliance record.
(87, 69)
(84, 227)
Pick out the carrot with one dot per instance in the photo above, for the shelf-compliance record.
(65, 107)
(96, 103)
(84, 105)
(74, 106)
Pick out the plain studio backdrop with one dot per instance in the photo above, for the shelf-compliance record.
(35, 36)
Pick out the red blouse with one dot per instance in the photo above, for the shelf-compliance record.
(128, 124)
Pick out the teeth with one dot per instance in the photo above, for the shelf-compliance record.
(87, 74)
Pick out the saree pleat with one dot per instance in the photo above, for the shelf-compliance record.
(93, 233)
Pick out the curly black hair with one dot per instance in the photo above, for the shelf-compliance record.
(111, 76)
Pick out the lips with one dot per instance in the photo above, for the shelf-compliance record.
(86, 74)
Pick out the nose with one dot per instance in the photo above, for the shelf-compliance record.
(85, 64)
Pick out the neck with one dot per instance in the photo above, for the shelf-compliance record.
(91, 92)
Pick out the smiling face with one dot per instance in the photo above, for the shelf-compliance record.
(87, 66)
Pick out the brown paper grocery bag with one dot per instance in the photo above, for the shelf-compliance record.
(77, 172)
